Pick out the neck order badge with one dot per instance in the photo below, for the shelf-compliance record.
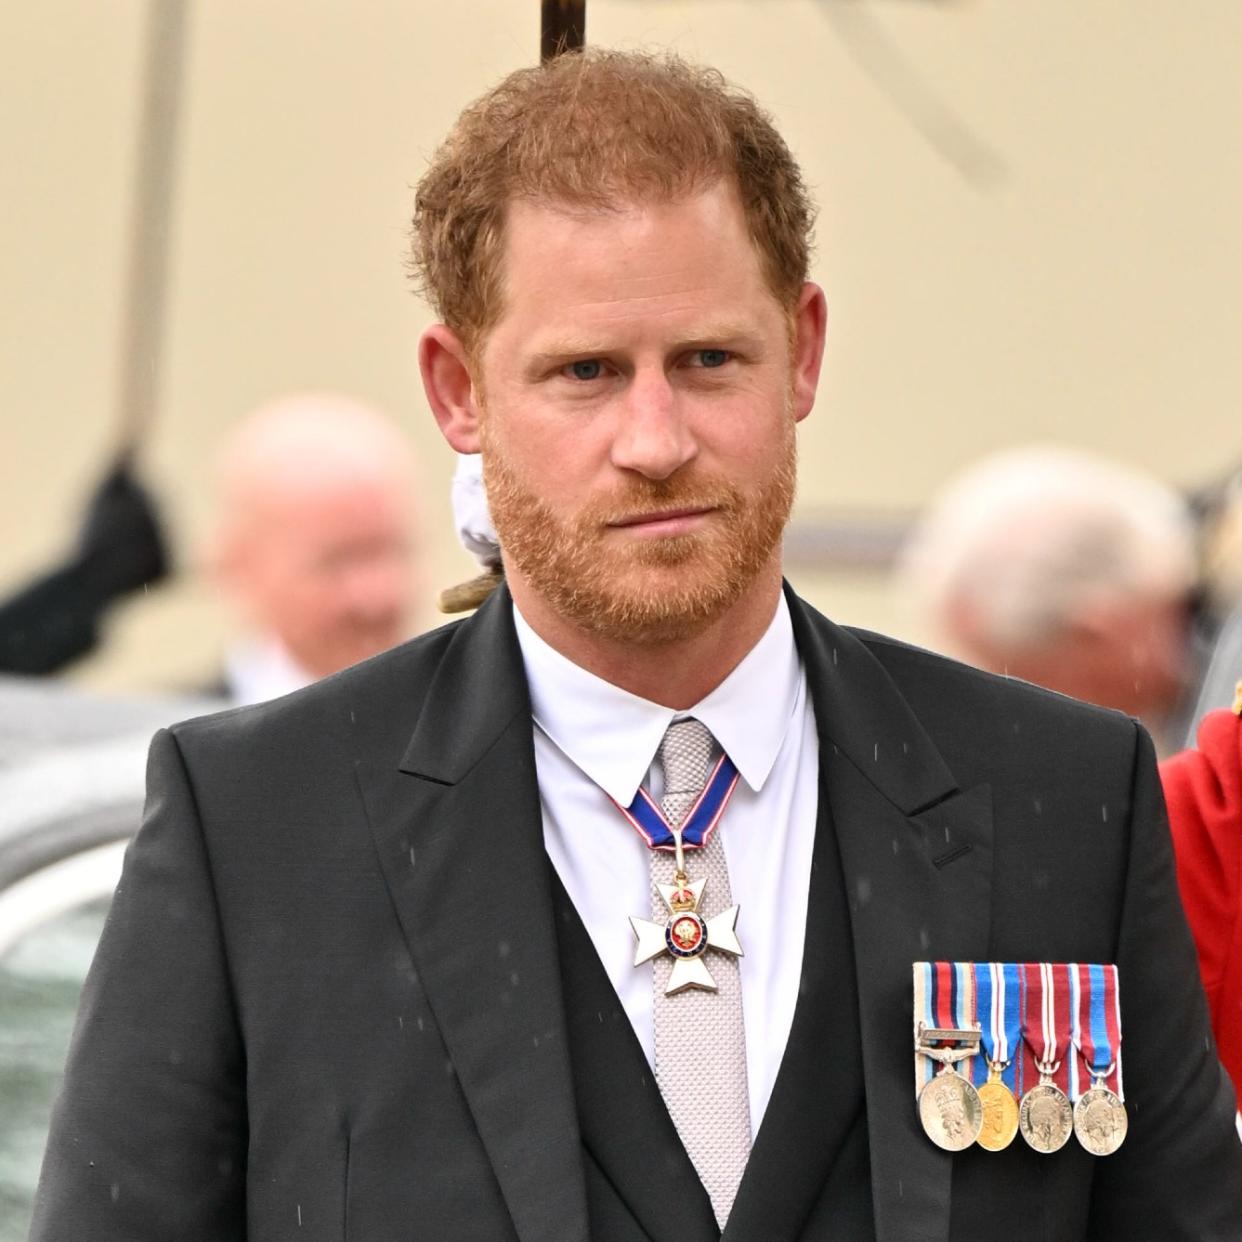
(685, 935)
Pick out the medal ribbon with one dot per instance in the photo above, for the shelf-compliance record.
(965, 1012)
(648, 820)
(998, 1002)
(935, 989)
(944, 997)
(1047, 994)
(1097, 1025)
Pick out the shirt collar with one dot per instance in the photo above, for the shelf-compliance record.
(260, 667)
(612, 735)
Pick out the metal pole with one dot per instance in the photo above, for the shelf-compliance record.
(563, 27)
(142, 324)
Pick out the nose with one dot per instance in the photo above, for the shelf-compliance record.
(652, 436)
(375, 588)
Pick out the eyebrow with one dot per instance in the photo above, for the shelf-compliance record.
(711, 336)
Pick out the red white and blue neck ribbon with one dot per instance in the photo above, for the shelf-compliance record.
(648, 820)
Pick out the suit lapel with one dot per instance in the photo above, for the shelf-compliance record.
(916, 862)
(459, 835)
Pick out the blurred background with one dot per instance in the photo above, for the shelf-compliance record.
(1028, 236)
(1028, 232)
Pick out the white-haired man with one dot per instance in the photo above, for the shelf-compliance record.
(1067, 570)
(314, 546)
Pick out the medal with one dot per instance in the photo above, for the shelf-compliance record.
(685, 935)
(983, 1030)
(1045, 1117)
(997, 996)
(948, 1104)
(1000, 1113)
(949, 1107)
(950, 1110)
(1100, 1120)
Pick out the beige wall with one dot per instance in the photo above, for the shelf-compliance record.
(1081, 284)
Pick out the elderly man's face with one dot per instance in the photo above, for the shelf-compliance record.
(639, 398)
(328, 568)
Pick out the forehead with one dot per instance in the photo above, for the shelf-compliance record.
(661, 262)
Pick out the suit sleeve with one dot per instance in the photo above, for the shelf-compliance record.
(148, 1137)
(1178, 1176)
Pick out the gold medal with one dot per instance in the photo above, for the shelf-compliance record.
(1100, 1120)
(1000, 1112)
(1045, 1116)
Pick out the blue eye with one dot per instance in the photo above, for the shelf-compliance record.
(713, 357)
(587, 369)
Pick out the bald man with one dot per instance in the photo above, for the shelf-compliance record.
(314, 548)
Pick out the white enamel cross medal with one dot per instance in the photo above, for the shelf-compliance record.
(686, 935)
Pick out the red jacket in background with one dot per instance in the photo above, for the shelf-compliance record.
(1203, 789)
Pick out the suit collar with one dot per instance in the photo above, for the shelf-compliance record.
(477, 692)
(865, 716)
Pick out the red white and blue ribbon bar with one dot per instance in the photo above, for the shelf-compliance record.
(648, 820)
(1066, 1012)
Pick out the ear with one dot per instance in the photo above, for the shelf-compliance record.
(810, 328)
(445, 369)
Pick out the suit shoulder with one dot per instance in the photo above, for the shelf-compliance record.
(957, 698)
(387, 686)
(913, 667)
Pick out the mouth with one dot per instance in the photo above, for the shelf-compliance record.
(662, 522)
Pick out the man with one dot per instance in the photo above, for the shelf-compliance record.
(1069, 571)
(313, 543)
(393, 991)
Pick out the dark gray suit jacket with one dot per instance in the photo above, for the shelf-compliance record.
(341, 994)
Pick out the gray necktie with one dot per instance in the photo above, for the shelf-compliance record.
(700, 1038)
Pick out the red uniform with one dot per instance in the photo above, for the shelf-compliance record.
(1203, 789)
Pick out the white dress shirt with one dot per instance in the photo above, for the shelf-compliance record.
(595, 742)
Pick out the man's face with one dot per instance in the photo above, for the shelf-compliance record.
(638, 413)
(328, 569)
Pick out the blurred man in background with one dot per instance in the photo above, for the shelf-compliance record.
(315, 545)
(1068, 571)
